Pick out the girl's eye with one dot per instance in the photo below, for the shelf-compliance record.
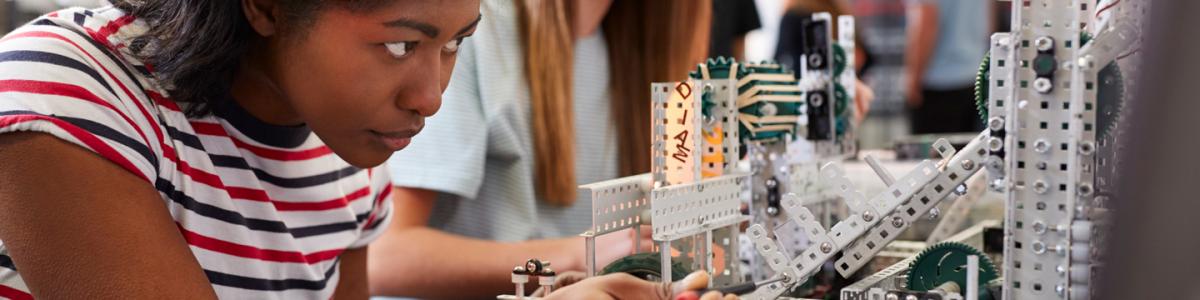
(452, 46)
(400, 49)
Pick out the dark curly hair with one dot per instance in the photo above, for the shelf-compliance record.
(196, 46)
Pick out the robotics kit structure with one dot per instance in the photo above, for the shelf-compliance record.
(752, 143)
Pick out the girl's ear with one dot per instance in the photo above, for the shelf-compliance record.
(263, 15)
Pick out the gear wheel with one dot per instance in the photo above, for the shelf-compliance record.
(647, 266)
(947, 262)
(982, 79)
(839, 60)
(841, 109)
(1110, 94)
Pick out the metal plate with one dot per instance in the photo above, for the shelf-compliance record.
(618, 203)
(1043, 167)
(676, 134)
(687, 209)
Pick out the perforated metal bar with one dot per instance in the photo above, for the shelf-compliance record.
(721, 140)
(676, 133)
(1047, 177)
(953, 174)
(688, 209)
(618, 203)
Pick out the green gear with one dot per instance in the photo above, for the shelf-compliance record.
(646, 266)
(841, 104)
(841, 109)
(1110, 94)
(839, 60)
(946, 262)
(982, 79)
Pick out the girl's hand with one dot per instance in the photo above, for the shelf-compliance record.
(611, 247)
(625, 286)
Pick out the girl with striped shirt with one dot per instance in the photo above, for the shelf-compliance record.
(177, 149)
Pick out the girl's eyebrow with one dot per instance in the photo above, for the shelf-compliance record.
(429, 30)
(426, 28)
(470, 26)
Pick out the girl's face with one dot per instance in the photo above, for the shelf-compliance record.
(364, 81)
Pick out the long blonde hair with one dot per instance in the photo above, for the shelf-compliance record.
(648, 41)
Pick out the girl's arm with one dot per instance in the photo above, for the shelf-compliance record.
(414, 260)
(80, 227)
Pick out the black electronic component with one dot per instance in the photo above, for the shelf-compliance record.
(819, 113)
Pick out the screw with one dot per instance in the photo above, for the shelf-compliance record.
(1044, 43)
(1039, 227)
(996, 123)
(817, 99)
(997, 185)
(1041, 146)
(1085, 189)
(868, 216)
(968, 164)
(897, 221)
(995, 144)
(891, 296)
(1061, 270)
(1040, 187)
(1086, 62)
(1039, 247)
(768, 109)
(771, 210)
(995, 162)
(826, 247)
(960, 189)
(934, 212)
(910, 297)
(1062, 291)
(1087, 147)
(1043, 85)
(816, 60)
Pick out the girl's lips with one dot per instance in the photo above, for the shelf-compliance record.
(395, 141)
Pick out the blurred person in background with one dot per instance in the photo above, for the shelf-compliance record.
(548, 95)
(946, 41)
(790, 46)
(731, 21)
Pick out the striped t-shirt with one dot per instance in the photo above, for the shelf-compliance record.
(266, 210)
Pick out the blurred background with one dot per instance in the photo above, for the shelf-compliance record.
(881, 29)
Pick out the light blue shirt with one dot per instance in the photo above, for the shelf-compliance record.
(477, 151)
(962, 40)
